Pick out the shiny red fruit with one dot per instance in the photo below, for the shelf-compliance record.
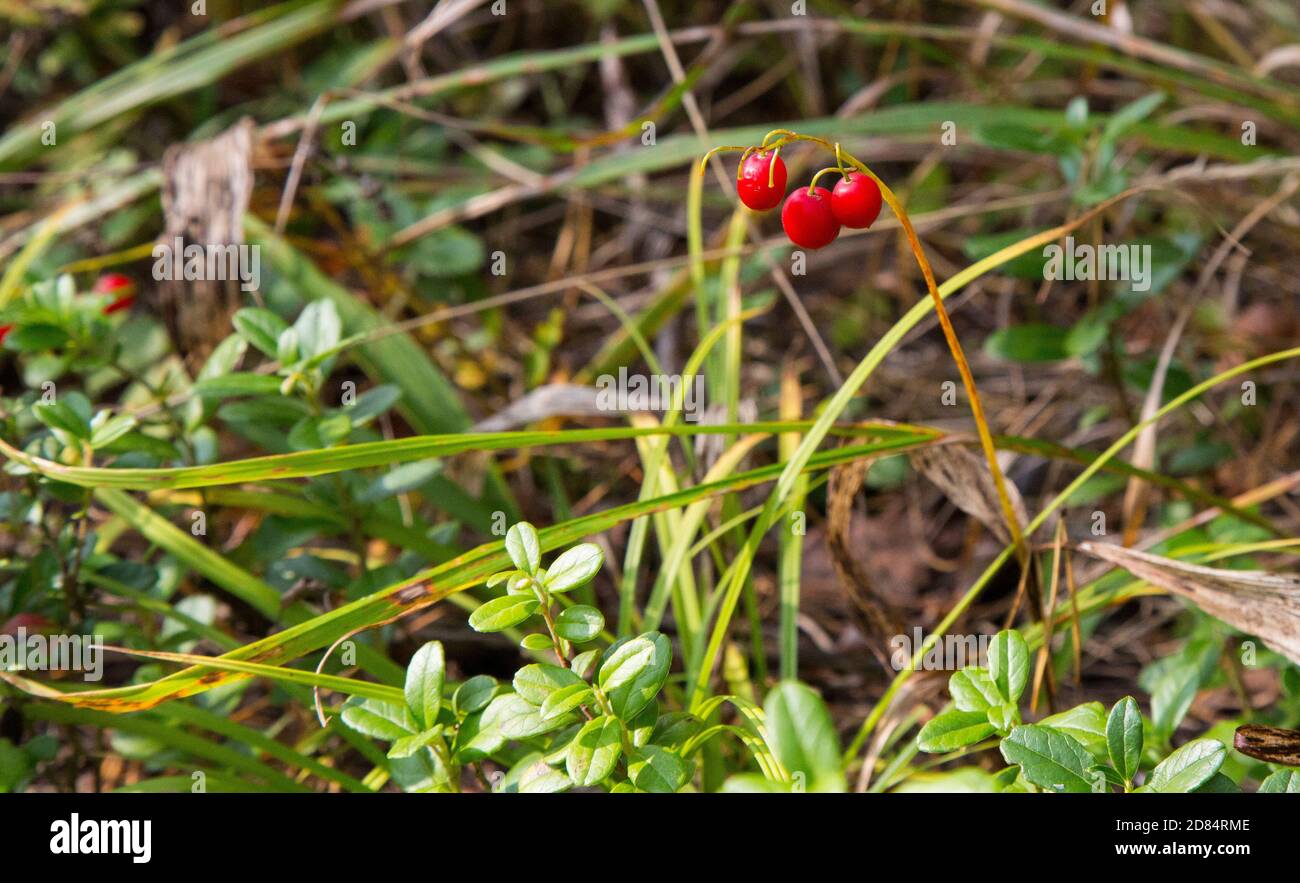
(111, 282)
(122, 286)
(808, 219)
(753, 187)
(122, 303)
(856, 201)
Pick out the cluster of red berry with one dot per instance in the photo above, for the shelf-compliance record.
(812, 216)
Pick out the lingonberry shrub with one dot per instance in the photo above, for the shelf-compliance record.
(589, 719)
(1085, 748)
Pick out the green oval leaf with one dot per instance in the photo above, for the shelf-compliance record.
(1124, 737)
(1188, 767)
(658, 770)
(379, 720)
(538, 681)
(579, 623)
(1028, 343)
(952, 730)
(565, 699)
(60, 416)
(408, 745)
(502, 613)
(523, 547)
(1085, 723)
(536, 641)
(634, 694)
(626, 662)
(1009, 663)
(1281, 782)
(474, 694)
(262, 328)
(802, 735)
(424, 678)
(972, 689)
(576, 567)
(1049, 758)
(517, 718)
(594, 753)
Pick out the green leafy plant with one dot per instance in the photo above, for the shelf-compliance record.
(589, 719)
(1082, 749)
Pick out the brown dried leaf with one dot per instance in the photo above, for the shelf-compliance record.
(1255, 601)
(1270, 744)
(964, 478)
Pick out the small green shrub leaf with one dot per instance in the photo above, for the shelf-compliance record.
(424, 678)
(972, 689)
(1281, 782)
(566, 699)
(803, 736)
(594, 752)
(1188, 767)
(1049, 758)
(474, 694)
(576, 567)
(524, 547)
(633, 694)
(1009, 663)
(408, 745)
(625, 663)
(579, 623)
(954, 729)
(379, 720)
(1124, 737)
(60, 416)
(1086, 723)
(502, 613)
(538, 681)
(262, 328)
(517, 718)
(658, 770)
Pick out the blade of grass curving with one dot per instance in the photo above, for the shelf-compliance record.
(434, 584)
(307, 464)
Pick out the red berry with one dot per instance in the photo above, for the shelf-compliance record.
(808, 219)
(4, 332)
(122, 303)
(754, 174)
(111, 282)
(856, 201)
(122, 286)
